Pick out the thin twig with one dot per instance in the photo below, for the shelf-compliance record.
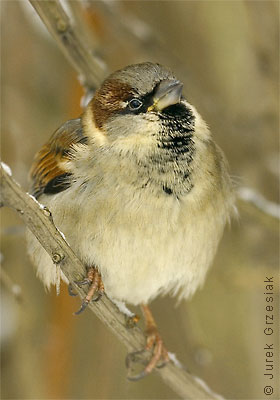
(127, 24)
(91, 70)
(11, 286)
(39, 220)
(257, 200)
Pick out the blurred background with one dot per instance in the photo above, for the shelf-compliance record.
(227, 55)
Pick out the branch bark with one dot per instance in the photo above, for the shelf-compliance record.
(39, 220)
(91, 70)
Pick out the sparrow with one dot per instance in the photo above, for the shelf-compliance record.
(140, 190)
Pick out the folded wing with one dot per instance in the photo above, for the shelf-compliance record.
(47, 172)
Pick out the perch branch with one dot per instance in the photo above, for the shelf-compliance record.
(39, 220)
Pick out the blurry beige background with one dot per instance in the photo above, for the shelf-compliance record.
(226, 53)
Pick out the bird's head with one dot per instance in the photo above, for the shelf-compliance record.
(138, 106)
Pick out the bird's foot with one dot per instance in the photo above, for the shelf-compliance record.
(154, 345)
(159, 357)
(96, 287)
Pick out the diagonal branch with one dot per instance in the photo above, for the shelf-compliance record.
(39, 220)
(257, 201)
(91, 69)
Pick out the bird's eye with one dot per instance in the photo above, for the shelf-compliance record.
(135, 104)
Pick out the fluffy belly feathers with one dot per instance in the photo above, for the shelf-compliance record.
(141, 251)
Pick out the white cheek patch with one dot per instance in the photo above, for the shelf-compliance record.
(123, 104)
(92, 131)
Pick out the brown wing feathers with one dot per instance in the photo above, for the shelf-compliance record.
(47, 173)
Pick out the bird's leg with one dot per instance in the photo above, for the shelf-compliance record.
(154, 343)
(96, 286)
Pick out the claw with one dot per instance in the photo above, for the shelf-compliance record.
(163, 364)
(154, 344)
(84, 282)
(82, 308)
(86, 302)
(132, 357)
(98, 297)
(137, 377)
(96, 287)
(71, 290)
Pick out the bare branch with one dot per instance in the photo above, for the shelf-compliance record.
(129, 25)
(39, 220)
(91, 70)
(10, 285)
(258, 201)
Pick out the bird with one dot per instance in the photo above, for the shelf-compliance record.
(140, 190)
